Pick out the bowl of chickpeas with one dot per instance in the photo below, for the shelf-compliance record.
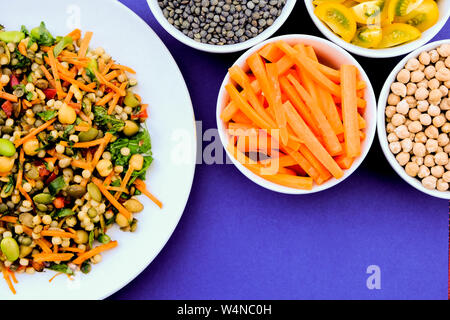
(414, 119)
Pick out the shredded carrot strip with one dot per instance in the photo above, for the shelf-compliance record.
(52, 62)
(111, 199)
(75, 34)
(41, 257)
(55, 233)
(72, 249)
(34, 132)
(56, 274)
(111, 75)
(8, 280)
(102, 80)
(43, 245)
(13, 276)
(105, 99)
(95, 251)
(101, 148)
(80, 85)
(87, 144)
(48, 76)
(116, 98)
(122, 67)
(140, 185)
(9, 219)
(8, 96)
(22, 48)
(85, 44)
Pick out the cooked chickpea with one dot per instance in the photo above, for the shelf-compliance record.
(434, 55)
(433, 110)
(398, 89)
(424, 58)
(398, 119)
(447, 149)
(104, 167)
(31, 147)
(444, 91)
(443, 139)
(429, 72)
(447, 62)
(437, 171)
(66, 114)
(421, 93)
(412, 102)
(392, 137)
(412, 169)
(415, 126)
(393, 99)
(439, 121)
(445, 104)
(402, 107)
(429, 161)
(423, 172)
(137, 161)
(403, 76)
(441, 158)
(422, 84)
(431, 145)
(442, 185)
(429, 182)
(419, 149)
(444, 50)
(390, 128)
(6, 164)
(425, 119)
(447, 115)
(438, 66)
(446, 128)
(403, 158)
(395, 147)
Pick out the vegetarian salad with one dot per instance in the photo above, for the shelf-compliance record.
(73, 152)
(377, 23)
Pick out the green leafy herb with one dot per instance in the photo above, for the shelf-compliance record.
(115, 183)
(102, 118)
(141, 173)
(9, 185)
(85, 267)
(23, 62)
(139, 144)
(64, 268)
(29, 96)
(42, 36)
(47, 115)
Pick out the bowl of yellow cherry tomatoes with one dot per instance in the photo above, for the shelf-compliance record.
(379, 28)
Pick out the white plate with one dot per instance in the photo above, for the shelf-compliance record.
(130, 41)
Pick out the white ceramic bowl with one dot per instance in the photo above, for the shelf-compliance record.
(177, 34)
(381, 119)
(331, 55)
(444, 13)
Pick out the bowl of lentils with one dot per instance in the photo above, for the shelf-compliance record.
(414, 119)
(221, 26)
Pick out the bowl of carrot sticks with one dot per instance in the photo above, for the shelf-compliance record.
(296, 114)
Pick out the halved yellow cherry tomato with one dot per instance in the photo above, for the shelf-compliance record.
(368, 36)
(398, 33)
(338, 18)
(368, 12)
(399, 8)
(423, 17)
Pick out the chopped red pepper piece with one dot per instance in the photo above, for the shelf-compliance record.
(59, 202)
(14, 81)
(7, 107)
(49, 93)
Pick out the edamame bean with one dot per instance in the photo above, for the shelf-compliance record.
(7, 148)
(10, 248)
(94, 192)
(103, 238)
(133, 205)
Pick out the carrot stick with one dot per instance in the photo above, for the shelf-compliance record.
(8, 280)
(140, 185)
(75, 34)
(72, 249)
(48, 76)
(41, 257)
(8, 96)
(305, 164)
(344, 162)
(101, 148)
(228, 112)
(280, 117)
(105, 99)
(300, 59)
(122, 67)
(350, 111)
(85, 44)
(80, 85)
(52, 62)
(56, 233)
(34, 132)
(302, 130)
(95, 251)
(111, 199)
(22, 48)
(43, 245)
(271, 52)
(10, 219)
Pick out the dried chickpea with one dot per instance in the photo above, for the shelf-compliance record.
(437, 171)
(431, 145)
(422, 84)
(412, 102)
(403, 76)
(411, 88)
(393, 99)
(402, 107)
(422, 106)
(432, 132)
(439, 66)
(415, 127)
(434, 55)
(402, 132)
(414, 114)
(446, 128)
(433, 84)
(433, 110)
(417, 76)
(398, 119)
(444, 50)
(429, 72)
(421, 93)
(429, 182)
(439, 121)
(419, 149)
(447, 62)
(442, 185)
(435, 96)
(444, 91)
(390, 128)
(407, 145)
(441, 158)
(425, 119)
(446, 176)
(403, 158)
(395, 147)
(429, 161)
(418, 160)
(412, 169)
(443, 139)
(412, 64)
(423, 172)
(390, 111)
(398, 89)
(392, 137)
(424, 58)
(420, 137)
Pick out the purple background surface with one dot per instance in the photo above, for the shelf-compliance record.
(237, 240)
